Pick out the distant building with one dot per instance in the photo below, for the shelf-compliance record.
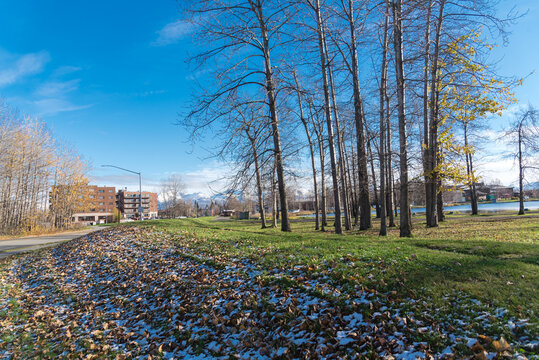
(490, 192)
(228, 212)
(502, 192)
(98, 204)
(128, 203)
(93, 204)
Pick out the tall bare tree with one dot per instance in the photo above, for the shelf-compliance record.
(243, 32)
(321, 32)
(305, 123)
(404, 200)
(524, 135)
(172, 188)
(359, 117)
(382, 149)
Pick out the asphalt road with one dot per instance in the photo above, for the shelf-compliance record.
(18, 245)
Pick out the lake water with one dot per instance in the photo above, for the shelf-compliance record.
(502, 206)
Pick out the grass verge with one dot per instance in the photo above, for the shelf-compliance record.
(494, 258)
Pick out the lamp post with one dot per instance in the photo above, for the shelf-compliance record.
(141, 209)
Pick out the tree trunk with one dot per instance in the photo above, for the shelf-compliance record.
(323, 192)
(440, 200)
(520, 173)
(405, 219)
(340, 145)
(274, 198)
(270, 91)
(356, 192)
(473, 192)
(426, 146)
(258, 181)
(470, 173)
(321, 149)
(351, 189)
(381, 152)
(439, 157)
(329, 122)
(359, 116)
(432, 173)
(375, 187)
(311, 149)
(389, 167)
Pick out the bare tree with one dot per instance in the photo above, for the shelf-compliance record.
(243, 32)
(172, 188)
(311, 149)
(524, 135)
(321, 32)
(405, 215)
(340, 145)
(382, 149)
(359, 116)
(318, 128)
(171, 191)
(31, 161)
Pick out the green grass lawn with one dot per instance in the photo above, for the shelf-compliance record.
(494, 258)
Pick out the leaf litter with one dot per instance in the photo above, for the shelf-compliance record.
(133, 293)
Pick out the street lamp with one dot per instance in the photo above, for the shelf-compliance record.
(141, 209)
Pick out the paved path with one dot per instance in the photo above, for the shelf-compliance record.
(18, 245)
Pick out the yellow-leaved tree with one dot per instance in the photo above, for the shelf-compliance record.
(468, 93)
(30, 162)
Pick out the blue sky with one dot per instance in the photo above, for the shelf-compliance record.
(109, 77)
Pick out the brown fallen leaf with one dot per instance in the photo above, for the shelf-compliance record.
(484, 339)
(481, 356)
(478, 348)
(501, 345)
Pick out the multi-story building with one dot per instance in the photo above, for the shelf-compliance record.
(128, 203)
(92, 204)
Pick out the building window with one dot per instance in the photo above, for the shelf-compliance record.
(101, 197)
(110, 190)
(91, 196)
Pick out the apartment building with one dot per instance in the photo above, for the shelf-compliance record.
(128, 203)
(93, 204)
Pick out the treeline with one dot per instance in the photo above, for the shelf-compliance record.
(378, 93)
(31, 163)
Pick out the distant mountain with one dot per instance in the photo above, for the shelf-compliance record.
(194, 196)
(204, 199)
(532, 186)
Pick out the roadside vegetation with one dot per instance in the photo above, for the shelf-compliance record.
(47, 232)
(35, 169)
